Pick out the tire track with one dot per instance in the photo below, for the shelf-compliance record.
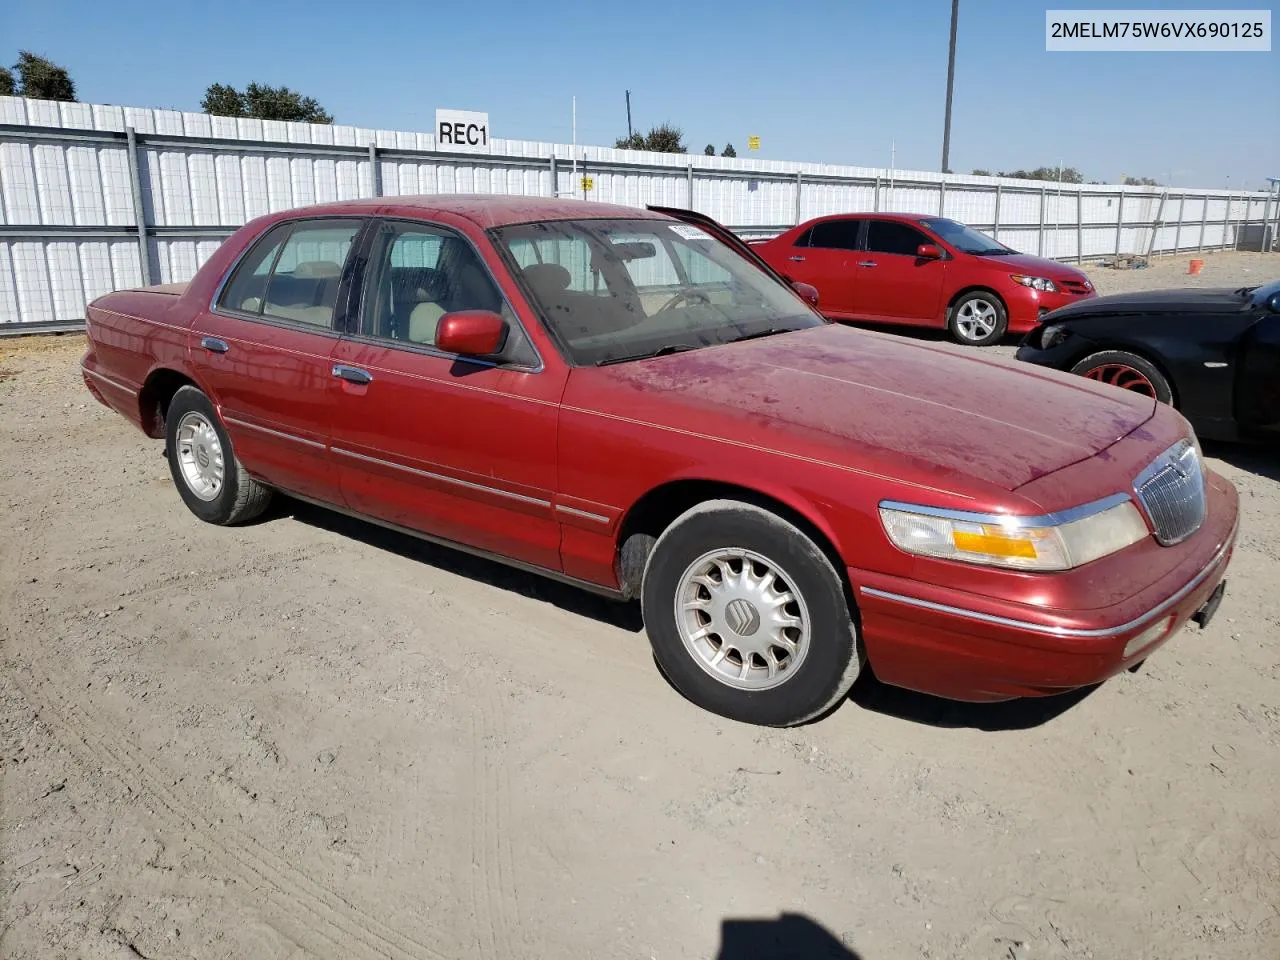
(335, 925)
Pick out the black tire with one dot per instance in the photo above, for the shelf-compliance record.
(831, 661)
(1126, 370)
(239, 497)
(956, 319)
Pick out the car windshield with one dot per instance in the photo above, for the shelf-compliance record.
(617, 290)
(966, 239)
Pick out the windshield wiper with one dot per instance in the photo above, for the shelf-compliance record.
(1244, 291)
(994, 252)
(662, 351)
(761, 333)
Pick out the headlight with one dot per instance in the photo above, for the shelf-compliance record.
(1035, 283)
(1055, 542)
(1052, 335)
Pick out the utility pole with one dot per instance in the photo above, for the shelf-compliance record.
(629, 115)
(951, 79)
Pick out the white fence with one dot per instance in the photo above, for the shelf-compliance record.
(77, 180)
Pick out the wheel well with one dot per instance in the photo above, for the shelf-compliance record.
(154, 398)
(974, 289)
(1141, 354)
(656, 510)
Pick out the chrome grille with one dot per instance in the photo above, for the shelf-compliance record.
(1171, 491)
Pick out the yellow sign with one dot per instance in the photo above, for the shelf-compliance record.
(588, 183)
(753, 142)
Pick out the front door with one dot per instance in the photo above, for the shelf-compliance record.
(460, 449)
(263, 352)
(895, 285)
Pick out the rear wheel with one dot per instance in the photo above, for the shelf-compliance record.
(748, 617)
(1126, 370)
(978, 319)
(211, 481)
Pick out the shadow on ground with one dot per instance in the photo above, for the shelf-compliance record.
(1261, 460)
(868, 693)
(791, 936)
(1022, 714)
(625, 616)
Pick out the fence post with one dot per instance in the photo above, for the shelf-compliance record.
(1155, 227)
(555, 177)
(1080, 225)
(875, 201)
(942, 198)
(1177, 233)
(1226, 219)
(799, 184)
(1204, 219)
(689, 182)
(373, 169)
(139, 212)
(1119, 220)
(1040, 239)
(995, 227)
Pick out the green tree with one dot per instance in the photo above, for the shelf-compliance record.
(1139, 182)
(8, 85)
(263, 102)
(982, 173)
(42, 79)
(1069, 174)
(709, 150)
(728, 151)
(663, 138)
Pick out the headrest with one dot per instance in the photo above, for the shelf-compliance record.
(547, 278)
(317, 270)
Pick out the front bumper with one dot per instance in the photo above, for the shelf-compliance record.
(962, 646)
(1026, 306)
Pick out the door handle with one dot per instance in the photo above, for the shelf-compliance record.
(351, 374)
(866, 263)
(214, 345)
(796, 259)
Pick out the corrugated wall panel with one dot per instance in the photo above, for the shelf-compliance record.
(65, 184)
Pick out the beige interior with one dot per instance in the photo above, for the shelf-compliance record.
(423, 321)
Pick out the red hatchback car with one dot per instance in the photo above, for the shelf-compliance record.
(903, 268)
(633, 402)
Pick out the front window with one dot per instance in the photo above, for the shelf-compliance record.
(966, 239)
(612, 290)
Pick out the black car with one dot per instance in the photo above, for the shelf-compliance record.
(1213, 354)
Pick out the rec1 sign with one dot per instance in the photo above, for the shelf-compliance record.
(462, 130)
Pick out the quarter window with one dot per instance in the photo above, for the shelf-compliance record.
(890, 236)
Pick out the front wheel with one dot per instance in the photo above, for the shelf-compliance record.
(211, 481)
(748, 617)
(1126, 370)
(978, 319)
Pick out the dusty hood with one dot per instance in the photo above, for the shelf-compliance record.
(874, 398)
(1211, 301)
(1035, 266)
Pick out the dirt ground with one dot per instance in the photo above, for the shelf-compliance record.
(312, 738)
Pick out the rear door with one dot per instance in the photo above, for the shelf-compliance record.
(1258, 378)
(262, 352)
(895, 285)
(457, 448)
(831, 259)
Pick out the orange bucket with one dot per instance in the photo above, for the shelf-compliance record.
(1195, 267)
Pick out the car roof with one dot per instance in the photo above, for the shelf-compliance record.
(877, 215)
(484, 210)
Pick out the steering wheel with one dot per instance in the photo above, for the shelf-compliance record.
(689, 296)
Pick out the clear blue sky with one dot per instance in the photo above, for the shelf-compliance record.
(823, 81)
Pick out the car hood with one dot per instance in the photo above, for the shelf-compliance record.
(1034, 266)
(1209, 301)
(866, 399)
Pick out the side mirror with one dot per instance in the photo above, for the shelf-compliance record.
(471, 333)
(928, 251)
(807, 291)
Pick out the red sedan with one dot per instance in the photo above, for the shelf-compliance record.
(903, 268)
(632, 402)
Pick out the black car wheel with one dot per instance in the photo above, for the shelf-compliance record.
(1126, 370)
